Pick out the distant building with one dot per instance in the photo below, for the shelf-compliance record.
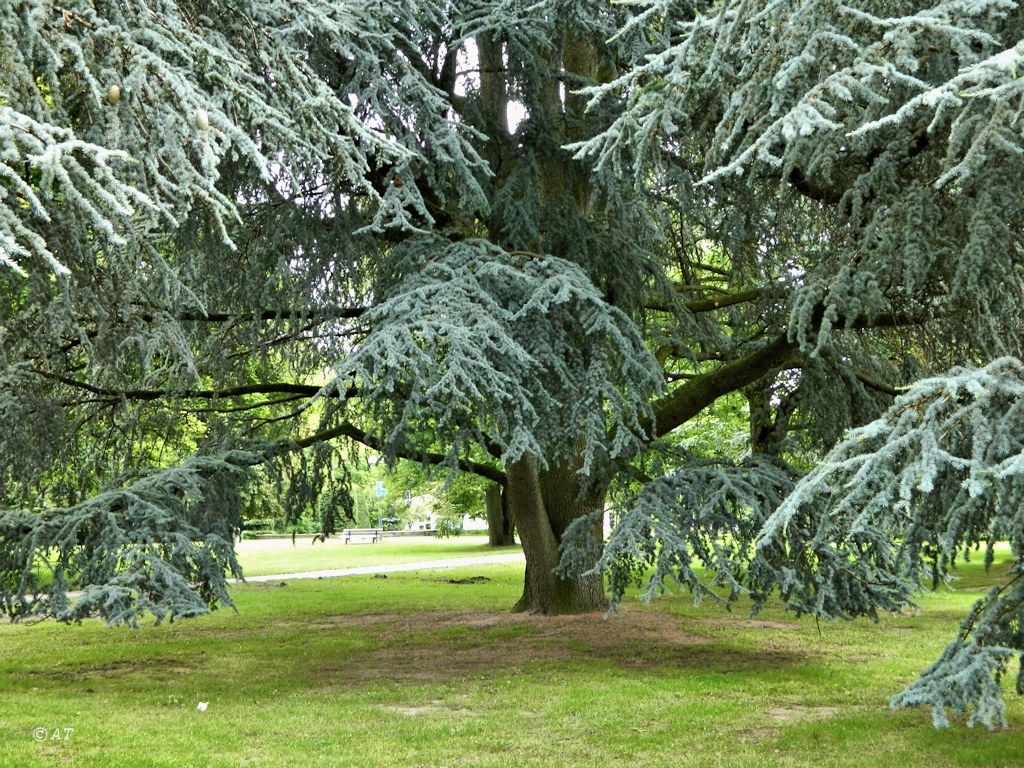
(425, 519)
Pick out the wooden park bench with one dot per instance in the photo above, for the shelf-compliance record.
(355, 535)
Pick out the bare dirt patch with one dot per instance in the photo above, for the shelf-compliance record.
(750, 623)
(157, 668)
(790, 714)
(438, 646)
(433, 708)
(764, 733)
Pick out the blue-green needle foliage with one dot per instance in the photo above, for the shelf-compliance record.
(87, 85)
(478, 341)
(903, 122)
(694, 527)
(531, 240)
(284, 223)
(144, 149)
(150, 545)
(904, 118)
(896, 503)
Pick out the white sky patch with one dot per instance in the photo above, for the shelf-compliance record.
(468, 78)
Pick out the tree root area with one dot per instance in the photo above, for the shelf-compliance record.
(439, 646)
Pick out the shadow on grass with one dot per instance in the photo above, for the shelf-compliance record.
(439, 646)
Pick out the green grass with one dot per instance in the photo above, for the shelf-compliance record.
(260, 557)
(414, 670)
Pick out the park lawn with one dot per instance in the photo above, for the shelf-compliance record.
(260, 557)
(429, 669)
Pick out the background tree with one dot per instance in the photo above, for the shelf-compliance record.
(527, 241)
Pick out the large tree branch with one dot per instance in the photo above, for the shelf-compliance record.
(351, 431)
(689, 399)
(875, 384)
(311, 318)
(833, 194)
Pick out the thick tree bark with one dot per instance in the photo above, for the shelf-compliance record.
(689, 399)
(769, 425)
(500, 531)
(542, 505)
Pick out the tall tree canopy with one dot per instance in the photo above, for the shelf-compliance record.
(532, 241)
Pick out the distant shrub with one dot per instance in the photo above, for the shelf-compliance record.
(257, 526)
(446, 528)
(302, 525)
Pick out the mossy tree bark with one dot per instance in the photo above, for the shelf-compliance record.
(542, 503)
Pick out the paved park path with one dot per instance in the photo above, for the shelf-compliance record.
(363, 570)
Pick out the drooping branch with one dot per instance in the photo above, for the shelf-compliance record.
(896, 503)
(353, 432)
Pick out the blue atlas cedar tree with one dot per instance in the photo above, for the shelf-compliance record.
(537, 242)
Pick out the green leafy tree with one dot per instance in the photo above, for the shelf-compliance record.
(525, 241)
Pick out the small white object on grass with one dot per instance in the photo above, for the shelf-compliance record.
(202, 706)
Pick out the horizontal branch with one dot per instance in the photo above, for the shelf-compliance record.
(268, 388)
(875, 384)
(266, 315)
(249, 406)
(309, 316)
(351, 431)
(689, 399)
(709, 305)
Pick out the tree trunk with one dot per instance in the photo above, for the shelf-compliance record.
(499, 525)
(542, 504)
(769, 425)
